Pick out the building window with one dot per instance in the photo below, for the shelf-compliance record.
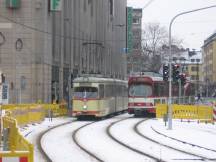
(197, 60)
(192, 60)
(174, 58)
(23, 82)
(89, 2)
(136, 21)
(111, 7)
(194, 68)
(92, 10)
(84, 5)
(194, 77)
(135, 45)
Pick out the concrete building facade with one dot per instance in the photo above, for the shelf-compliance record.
(190, 63)
(44, 47)
(209, 64)
(26, 53)
(134, 58)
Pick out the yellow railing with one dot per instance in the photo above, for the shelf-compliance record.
(22, 114)
(57, 109)
(199, 112)
(18, 146)
(26, 113)
(36, 112)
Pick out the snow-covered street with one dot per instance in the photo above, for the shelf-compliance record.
(58, 143)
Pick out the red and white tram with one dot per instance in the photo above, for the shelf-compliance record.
(145, 91)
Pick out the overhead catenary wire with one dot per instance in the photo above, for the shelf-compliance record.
(147, 4)
(69, 37)
(59, 35)
(39, 30)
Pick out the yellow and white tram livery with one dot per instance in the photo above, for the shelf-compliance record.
(98, 97)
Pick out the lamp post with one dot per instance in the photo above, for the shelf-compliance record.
(170, 64)
(197, 77)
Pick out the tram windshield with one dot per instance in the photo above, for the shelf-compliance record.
(140, 90)
(85, 92)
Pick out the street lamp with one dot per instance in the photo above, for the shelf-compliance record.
(170, 64)
(197, 77)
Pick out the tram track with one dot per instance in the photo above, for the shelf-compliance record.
(199, 157)
(74, 136)
(39, 144)
(108, 131)
(46, 156)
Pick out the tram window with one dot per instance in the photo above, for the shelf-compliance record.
(86, 92)
(140, 90)
(101, 91)
(122, 89)
(108, 91)
(156, 90)
(116, 89)
(125, 92)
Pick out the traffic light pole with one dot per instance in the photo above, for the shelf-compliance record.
(170, 63)
(180, 83)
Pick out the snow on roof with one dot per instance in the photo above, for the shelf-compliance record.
(185, 57)
(96, 79)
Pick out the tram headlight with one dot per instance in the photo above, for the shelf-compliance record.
(85, 107)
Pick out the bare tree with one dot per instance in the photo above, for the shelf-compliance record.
(154, 38)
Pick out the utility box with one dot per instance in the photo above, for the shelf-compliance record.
(13, 4)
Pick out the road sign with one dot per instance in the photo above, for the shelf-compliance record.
(55, 5)
(4, 93)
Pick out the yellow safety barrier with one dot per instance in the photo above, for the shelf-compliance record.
(22, 114)
(36, 113)
(31, 113)
(19, 147)
(200, 112)
(26, 113)
(57, 109)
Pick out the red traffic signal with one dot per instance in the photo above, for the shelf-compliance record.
(175, 72)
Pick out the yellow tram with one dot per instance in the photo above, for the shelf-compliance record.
(98, 96)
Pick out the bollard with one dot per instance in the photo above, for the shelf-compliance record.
(165, 118)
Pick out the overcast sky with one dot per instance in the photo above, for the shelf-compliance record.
(193, 28)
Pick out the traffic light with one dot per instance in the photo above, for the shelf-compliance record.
(183, 78)
(175, 72)
(165, 72)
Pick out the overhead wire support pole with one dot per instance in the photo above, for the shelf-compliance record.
(170, 62)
